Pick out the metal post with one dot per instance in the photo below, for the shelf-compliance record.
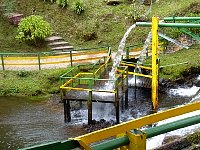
(39, 63)
(126, 92)
(65, 110)
(127, 52)
(117, 102)
(90, 107)
(137, 140)
(135, 87)
(155, 62)
(2, 61)
(71, 58)
(123, 89)
(126, 99)
(68, 111)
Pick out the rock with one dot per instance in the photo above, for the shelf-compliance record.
(168, 139)
(177, 144)
(90, 36)
(197, 83)
(113, 2)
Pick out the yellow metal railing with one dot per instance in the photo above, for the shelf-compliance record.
(123, 128)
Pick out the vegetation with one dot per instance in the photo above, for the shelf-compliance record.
(109, 23)
(30, 83)
(9, 5)
(99, 25)
(33, 29)
(177, 65)
(78, 7)
(62, 3)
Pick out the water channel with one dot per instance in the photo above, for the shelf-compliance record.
(25, 122)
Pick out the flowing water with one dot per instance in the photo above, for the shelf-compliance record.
(118, 57)
(173, 40)
(24, 122)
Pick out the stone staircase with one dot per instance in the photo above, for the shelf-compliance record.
(57, 44)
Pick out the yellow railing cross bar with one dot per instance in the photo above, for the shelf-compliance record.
(72, 78)
(133, 65)
(136, 123)
(77, 89)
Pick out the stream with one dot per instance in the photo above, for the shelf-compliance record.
(26, 122)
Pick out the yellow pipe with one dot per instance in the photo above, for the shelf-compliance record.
(89, 53)
(137, 74)
(77, 89)
(154, 62)
(20, 58)
(133, 65)
(10, 64)
(72, 78)
(106, 91)
(99, 69)
(85, 73)
(136, 123)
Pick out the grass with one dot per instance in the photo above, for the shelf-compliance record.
(109, 23)
(180, 70)
(36, 83)
(30, 83)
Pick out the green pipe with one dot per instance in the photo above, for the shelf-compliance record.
(180, 18)
(151, 132)
(177, 25)
(112, 144)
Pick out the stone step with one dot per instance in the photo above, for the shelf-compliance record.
(62, 43)
(62, 48)
(53, 38)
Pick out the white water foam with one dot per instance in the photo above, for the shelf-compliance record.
(187, 92)
(118, 57)
(132, 81)
(198, 78)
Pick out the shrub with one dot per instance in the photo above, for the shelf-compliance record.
(62, 3)
(33, 29)
(136, 11)
(78, 7)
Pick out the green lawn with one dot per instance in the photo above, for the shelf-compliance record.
(108, 23)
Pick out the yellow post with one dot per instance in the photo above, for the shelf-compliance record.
(137, 140)
(155, 62)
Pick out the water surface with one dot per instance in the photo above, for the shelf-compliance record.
(24, 122)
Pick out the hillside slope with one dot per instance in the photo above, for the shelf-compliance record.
(99, 25)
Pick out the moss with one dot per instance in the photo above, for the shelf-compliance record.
(194, 138)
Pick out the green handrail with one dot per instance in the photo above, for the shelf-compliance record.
(176, 25)
(120, 141)
(151, 132)
(181, 18)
